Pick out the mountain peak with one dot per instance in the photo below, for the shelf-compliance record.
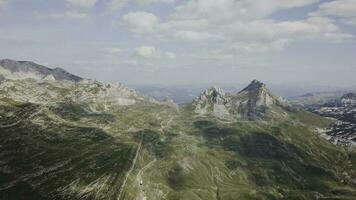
(252, 102)
(212, 101)
(259, 95)
(214, 95)
(255, 85)
(215, 90)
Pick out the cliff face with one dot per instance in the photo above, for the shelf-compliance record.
(251, 102)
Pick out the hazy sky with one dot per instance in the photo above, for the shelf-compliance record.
(186, 41)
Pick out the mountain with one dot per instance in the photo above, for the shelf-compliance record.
(343, 110)
(63, 140)
(252, 102)
(10, 69)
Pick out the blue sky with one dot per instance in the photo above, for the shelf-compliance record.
(175, 42)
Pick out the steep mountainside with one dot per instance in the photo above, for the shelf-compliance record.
(65, 140)
(10, 69)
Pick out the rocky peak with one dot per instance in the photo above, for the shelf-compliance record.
(214, 95)
(213, 101)
(258, 95)
(254, 86)
(251, 102)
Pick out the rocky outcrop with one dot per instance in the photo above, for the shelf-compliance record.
(251, 102)
(17, 70)
(214, 101)
(49, 91)
(257, 98)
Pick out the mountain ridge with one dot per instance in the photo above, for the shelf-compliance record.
(63, 140)
(11, 69)
(251, 102)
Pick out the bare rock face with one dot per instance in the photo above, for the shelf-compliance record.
(18, 70)
(259, 94)
(214, 101)
(252, 102)
(258, 98)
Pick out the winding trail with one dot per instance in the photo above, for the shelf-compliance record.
(131, 168)
(140, 181)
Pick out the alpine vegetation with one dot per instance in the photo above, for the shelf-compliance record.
(74, 138)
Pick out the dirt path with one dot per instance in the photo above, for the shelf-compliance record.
(139, 180)
(131, 169)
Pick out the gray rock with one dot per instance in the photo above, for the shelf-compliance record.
(11, 69)
(251, 102)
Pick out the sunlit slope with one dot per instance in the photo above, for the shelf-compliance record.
(71, 149)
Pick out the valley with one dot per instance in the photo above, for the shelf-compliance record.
(93, 141)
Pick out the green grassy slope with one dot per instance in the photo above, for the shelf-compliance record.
(152, 151)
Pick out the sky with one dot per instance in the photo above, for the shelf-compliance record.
(186, 42)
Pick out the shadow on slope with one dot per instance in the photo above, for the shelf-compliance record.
(273, 164)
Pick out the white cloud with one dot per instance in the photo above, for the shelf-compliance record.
(66, 15)
(170, 55)
(243, 24)
(259, 47)
(154, 1)
(131, 62)
(349, 21)
(344, 9)
(149, 52)
(112, 50)
(231, 9)
(146, 52)
(196, 36)
(82, 3)
(140, 21)
(77, 9)
(339, 8)
(116, 4)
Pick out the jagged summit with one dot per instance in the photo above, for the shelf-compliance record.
(255, 85)
(259, 94)
(11, 69)
(212, 100)
(213, 95)
(251, 102)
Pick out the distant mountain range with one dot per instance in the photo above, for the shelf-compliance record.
(316, 98)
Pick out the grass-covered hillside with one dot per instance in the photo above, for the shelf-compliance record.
(108, 149)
